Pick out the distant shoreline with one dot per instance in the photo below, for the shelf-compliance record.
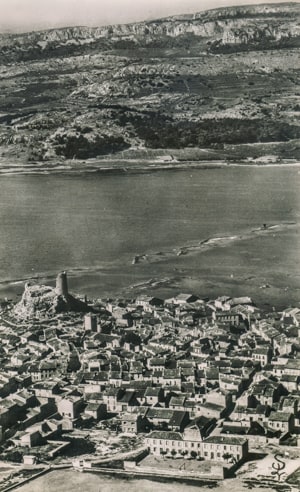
(128, 166)
(152, 256)
(132, 279)
(211, 242)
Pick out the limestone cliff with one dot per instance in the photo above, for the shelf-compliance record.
(238, 26)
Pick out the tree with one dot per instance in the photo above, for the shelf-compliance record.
(131, 337)
(173, 453)
(14, 456)
(193, 454)
(74, 363)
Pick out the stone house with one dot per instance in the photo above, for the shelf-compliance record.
(281, 421)
(70, 406)
(133, 423)
(262, 354)
(223, 448)
(96, 410)
(154, 396)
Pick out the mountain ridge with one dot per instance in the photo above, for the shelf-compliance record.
(195, 23)
(214, 80)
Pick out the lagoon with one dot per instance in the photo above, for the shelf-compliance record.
(93, 225)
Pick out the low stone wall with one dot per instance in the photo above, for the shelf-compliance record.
(256, 441)
(216, 472)
(61, 445)
(26, 480)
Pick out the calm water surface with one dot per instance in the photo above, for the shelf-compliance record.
(93, 225)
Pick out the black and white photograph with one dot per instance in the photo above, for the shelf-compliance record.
(149, 246)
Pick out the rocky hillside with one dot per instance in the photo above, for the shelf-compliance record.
(41, 301)
(218, 84)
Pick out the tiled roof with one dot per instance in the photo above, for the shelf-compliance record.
(174, 436)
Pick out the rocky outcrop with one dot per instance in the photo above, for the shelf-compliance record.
(41, 301)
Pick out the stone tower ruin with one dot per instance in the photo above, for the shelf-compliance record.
(62, 284)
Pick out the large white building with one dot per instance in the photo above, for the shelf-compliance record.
(217, 448)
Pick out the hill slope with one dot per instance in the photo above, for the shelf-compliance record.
(225, 81)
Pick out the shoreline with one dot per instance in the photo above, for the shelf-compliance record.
(164, 255)
(135, 166)
(153, 477)
(210, 243)
(168, 274)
